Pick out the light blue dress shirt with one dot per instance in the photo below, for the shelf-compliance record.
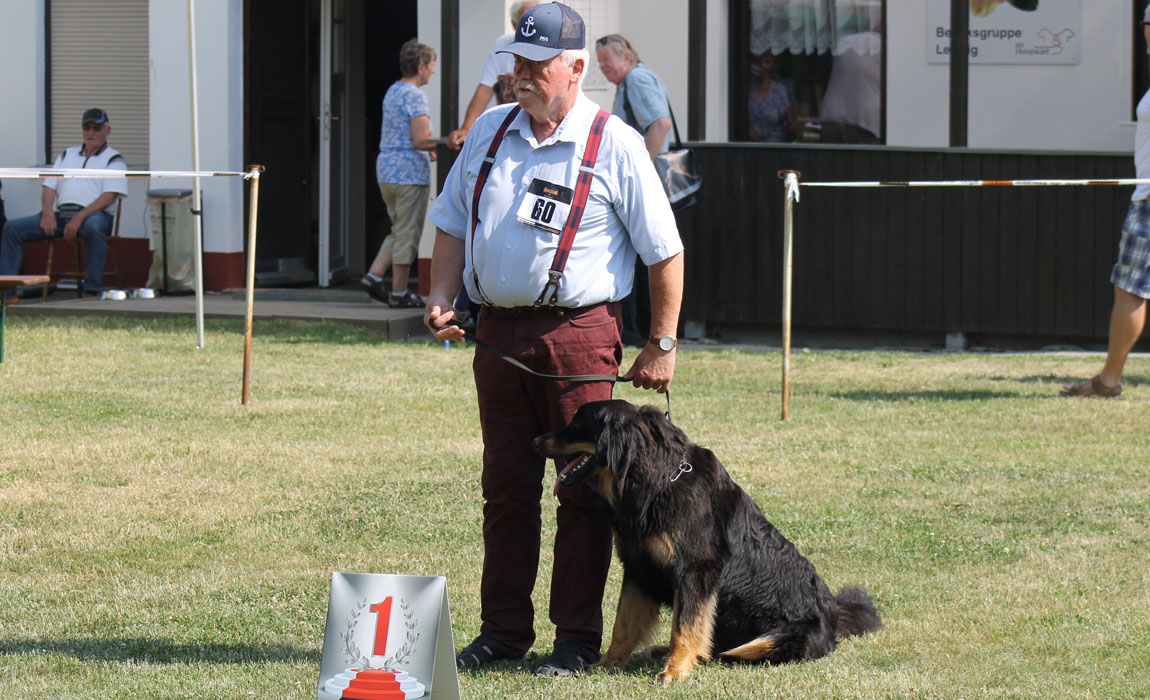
(627, 211)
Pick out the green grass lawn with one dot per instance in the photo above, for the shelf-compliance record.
(159, 540)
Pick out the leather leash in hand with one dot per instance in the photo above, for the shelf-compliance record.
(556, 377)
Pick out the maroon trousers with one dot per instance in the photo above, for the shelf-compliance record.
(515, 408)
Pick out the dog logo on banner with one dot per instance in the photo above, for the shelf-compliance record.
(378, 644)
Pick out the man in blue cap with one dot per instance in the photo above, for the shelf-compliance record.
(73, 208)
(500, 221)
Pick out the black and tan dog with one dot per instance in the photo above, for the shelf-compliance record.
(691, 539)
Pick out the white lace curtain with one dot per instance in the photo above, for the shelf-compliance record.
(815, 26)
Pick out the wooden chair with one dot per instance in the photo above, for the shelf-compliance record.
(111, 265)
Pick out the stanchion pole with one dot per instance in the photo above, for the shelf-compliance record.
(790, 196)
(253, 210)
(197, 196)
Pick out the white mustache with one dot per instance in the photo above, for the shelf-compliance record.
(524, 85)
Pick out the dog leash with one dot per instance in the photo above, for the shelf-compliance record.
(613, 378)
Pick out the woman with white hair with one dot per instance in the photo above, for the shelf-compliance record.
(641, 101)
(640, 97)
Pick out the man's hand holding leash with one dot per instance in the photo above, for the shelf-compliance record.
(652, 369)
(437, 317)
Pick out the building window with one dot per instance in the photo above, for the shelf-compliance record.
(98, 57)
(808, 71)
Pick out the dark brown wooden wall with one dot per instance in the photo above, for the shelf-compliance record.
(1021, 260)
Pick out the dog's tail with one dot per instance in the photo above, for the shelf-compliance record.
(857, 614)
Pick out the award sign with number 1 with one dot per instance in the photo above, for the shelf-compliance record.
(388, 637)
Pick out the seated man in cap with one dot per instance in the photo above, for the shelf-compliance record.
(73, 207)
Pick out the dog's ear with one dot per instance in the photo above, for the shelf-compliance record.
(667, 442)
(621, 440)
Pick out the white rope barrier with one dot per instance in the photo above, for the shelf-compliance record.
(94, 173)
(974, 183)
(791, 189)
(252, 176)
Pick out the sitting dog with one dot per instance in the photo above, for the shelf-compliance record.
(691, 539)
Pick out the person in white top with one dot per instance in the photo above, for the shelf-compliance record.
(496, 77)
(73, 208)
(502, 243)
(1131, 274)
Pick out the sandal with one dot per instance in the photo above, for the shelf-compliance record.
(1092, 387)
(405, 300)
(480, 652)
(568, 659)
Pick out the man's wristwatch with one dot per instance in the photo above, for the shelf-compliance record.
(667, 343)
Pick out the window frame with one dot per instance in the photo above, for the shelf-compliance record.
(738, 120)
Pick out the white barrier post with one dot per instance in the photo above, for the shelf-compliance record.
(197, 197)
(790, 196)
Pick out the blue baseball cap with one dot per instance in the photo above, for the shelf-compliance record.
(94, 116)
(545, 31)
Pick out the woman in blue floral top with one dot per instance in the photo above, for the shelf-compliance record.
(771, 99)
(403, 172)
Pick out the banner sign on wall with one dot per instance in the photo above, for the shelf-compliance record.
(1003, 33)
(388, 637)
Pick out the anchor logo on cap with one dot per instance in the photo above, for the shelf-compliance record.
(529, 27)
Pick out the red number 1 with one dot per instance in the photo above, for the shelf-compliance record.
(384, 610)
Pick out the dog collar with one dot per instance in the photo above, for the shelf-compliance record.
(684, 467)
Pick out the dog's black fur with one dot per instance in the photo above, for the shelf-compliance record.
(690, 538)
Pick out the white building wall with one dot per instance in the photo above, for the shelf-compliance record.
(1083, 107)
(667, 58)
(22, 136)
(220, 69)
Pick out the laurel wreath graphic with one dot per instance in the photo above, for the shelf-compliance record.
(400, 657)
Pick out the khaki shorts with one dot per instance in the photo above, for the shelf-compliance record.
(407, 208)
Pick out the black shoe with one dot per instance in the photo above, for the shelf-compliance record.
(374, 289)
(405, 300)
(568, 659)
(480, 652)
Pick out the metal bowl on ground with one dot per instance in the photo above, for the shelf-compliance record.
(143, 293)
(113, 295)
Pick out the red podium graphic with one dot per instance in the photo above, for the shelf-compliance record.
(374, 685)
(388, 637)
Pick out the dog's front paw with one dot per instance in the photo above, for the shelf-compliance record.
(670, 675)
(609, 663)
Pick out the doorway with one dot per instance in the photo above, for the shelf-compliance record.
(387, 25)
(315, 75)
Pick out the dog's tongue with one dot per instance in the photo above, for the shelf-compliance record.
(565, 471)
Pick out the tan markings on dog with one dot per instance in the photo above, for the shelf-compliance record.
(690, 641)
(661, 548)
(574, 448)
(607, 486)
(755, 650)
(635, 620)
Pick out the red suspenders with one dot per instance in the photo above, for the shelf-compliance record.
(578, 203)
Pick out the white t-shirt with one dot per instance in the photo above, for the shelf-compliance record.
(498, 63)
(84, 191)
(854, 92)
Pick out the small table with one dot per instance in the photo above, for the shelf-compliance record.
(12, 282)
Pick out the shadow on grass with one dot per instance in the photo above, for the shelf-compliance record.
(940, 395)
(641, 664)
(1059, 382)
(271, 330)
(157, 651)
